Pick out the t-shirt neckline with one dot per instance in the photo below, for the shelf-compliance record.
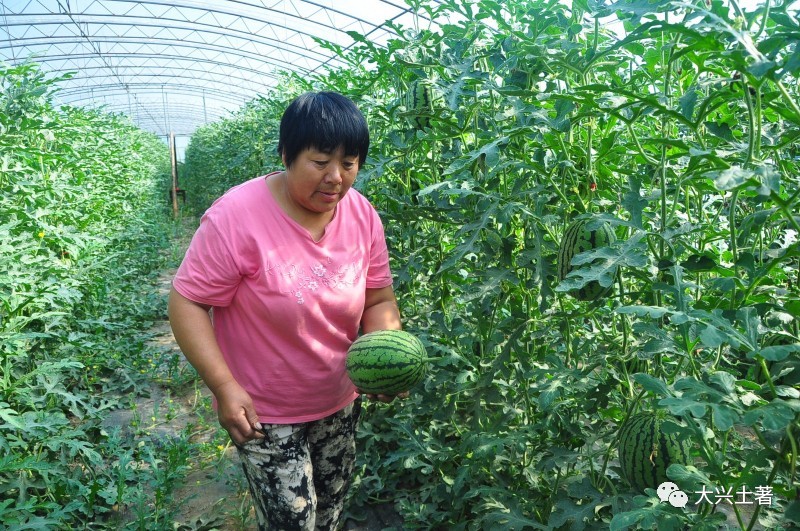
(294, 222)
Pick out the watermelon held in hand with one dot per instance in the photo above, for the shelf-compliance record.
(646, 451)
(386, 362)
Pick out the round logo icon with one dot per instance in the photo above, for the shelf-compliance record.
(678, 499)
(669, 492)
(665, 489)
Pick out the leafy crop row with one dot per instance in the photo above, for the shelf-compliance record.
(682, 130)
(83, 231)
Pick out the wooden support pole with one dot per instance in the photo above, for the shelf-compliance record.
(174, 160)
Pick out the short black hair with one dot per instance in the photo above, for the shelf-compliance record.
(323, 121)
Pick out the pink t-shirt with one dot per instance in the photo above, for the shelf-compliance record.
(286, 308)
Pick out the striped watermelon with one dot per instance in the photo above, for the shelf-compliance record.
(386, 362)
(420, 102)
(645, 452)
(577, 239)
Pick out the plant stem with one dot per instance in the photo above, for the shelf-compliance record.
(763, 364)
(770, 479)
(789, 100)
(793, 462)
(751, 119)
(647, 158)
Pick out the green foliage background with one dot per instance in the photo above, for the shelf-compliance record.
(83, 234)
(682, 132)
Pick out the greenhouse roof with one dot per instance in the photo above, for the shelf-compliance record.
(173, 65)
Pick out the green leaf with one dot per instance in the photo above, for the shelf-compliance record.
(721, 130)
(716, 329)
(688, 475)
(698, 263)
(562, 122)
(687, 103)
(655, 386)
(733, 177)
(724, 417)
(681, 406)
(655, 515)
(792, 513)
(490, 151)
(633, 201)
(725, 381)
(773, 416)
(762, 68)
(10, 417)
(774, 353)
(568, 510)
(601, 264)
(712, 337)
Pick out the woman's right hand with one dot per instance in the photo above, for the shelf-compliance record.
(236, 412)
(194, 332)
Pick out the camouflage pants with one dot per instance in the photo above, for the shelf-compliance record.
(299, 473)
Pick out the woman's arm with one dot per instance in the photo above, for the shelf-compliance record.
(191, 325)
(380, 310)
(381, 313)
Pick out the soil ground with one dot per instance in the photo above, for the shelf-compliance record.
(214, 495)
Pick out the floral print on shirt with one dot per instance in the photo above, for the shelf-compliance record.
(302, 281)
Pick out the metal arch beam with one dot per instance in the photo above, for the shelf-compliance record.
(206, 28)
(186, 114)
(181, 109)
(186, 4)
(158, 80)
(156, 67)
(112, 88)
(159, 68)
(195, 82)
(179, 129)
(163, 124)
(97, 102)
(212, 29)
(235, 90)
(208, 9)
(146, 102)
(175, 43)
(148, 105)
(216, 91)
(211, 86)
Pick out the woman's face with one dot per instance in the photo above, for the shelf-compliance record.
(317, 181)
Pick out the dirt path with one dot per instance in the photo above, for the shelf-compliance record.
(213, 495)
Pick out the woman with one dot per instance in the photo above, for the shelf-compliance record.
(293, 264)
